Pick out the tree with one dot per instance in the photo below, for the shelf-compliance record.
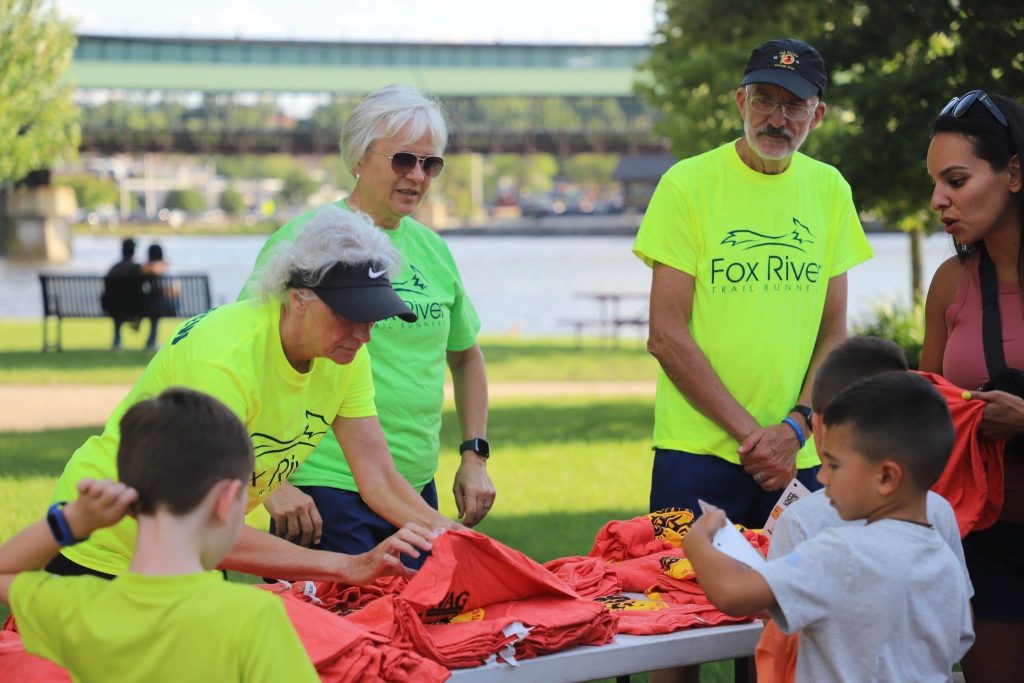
(231, 201)
(298, 185)
(892, 66)
(91, 191)
(188, 200)
(37, 116)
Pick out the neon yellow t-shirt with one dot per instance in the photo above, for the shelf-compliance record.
(761, 249)
(233, 353)
(409, 359)
(151, 629)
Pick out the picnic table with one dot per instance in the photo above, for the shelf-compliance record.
(610, 318)
(626, 655)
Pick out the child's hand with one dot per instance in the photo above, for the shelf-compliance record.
(99, 504)
(710, 522)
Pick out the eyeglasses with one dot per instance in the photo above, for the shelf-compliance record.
(793, 112)
(403, 162)
(958, 106)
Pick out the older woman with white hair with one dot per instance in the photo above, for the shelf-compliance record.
(292, 365)
(393, 142)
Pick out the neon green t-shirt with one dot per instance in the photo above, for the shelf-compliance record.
(154, 629)
(409, 359)
(233, 353)
(761, 249)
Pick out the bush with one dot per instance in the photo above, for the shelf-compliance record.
(905, 326)
(188, 200)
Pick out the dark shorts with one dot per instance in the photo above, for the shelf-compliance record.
(351, 527)
(678, 479)
(995, 561)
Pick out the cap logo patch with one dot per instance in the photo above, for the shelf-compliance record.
(374, 274)
(786, 59)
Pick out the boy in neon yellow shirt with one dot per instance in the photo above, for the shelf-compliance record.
(184, 460)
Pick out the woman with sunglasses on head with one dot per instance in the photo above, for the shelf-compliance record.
(393, 143)
(975, 161)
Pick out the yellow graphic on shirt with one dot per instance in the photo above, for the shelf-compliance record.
(472, 615)
(620, 603)
(672, 524)
(677, 567)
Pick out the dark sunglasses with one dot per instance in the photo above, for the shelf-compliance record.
(958, 106)
(403, 162)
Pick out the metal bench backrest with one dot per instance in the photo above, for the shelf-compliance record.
(79, 296)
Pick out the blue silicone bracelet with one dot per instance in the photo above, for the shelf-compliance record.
(59, 526)
(796, 428)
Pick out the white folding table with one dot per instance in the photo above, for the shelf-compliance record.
(625, 655)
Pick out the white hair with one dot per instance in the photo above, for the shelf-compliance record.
(392, 110)
(331, 236)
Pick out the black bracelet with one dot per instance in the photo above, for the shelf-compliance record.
(806, 412)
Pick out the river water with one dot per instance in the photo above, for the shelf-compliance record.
(525, 285)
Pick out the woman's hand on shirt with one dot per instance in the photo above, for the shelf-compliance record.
(1004, 414)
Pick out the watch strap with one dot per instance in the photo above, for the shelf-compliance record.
(59, 526)
(805, 411)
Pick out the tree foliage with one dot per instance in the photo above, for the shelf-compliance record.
(37, 116)
(91, 192)
(232, 202)
(891, 65)
(189, 200)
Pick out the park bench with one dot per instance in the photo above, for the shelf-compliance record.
(132, 297)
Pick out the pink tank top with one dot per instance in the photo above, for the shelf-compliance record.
(963, 362)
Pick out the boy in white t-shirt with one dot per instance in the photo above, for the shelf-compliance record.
(886, 600)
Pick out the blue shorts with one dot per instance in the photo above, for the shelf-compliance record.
(678, 479)
(995, 561)
(351, 527)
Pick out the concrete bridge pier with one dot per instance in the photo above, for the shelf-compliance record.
(35, 222)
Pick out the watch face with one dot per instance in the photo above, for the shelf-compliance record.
(476, 445)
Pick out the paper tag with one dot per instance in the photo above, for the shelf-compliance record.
(730, 541)
(793, 492)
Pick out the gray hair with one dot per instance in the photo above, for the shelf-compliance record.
(387, 112)
(332, 236)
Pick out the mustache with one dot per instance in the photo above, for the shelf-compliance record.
(769, 129)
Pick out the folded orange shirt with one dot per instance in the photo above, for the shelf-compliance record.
(590, 577)
(624, 539)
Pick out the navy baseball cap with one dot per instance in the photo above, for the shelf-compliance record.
(788, 63)
(359, 292)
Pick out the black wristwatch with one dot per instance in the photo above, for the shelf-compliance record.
(806, 412)
(479, 446)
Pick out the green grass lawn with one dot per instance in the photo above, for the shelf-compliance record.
(88, 360)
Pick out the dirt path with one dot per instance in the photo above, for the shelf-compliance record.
(36, 407)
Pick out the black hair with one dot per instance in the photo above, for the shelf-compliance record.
(174, 448)
(993, 143)
(127, 248)
(155, 253)
(852, 360)
(897, 416)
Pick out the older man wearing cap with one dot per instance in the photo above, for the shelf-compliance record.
(292, 365)
(749, 245)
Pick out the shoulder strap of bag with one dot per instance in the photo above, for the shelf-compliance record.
(991, 325)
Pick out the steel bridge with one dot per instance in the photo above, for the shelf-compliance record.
(221, 96)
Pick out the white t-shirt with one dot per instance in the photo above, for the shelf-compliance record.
(885, 601)
(814, 513)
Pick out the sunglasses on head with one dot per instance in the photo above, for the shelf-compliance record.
(403, 162)
(958, 106)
